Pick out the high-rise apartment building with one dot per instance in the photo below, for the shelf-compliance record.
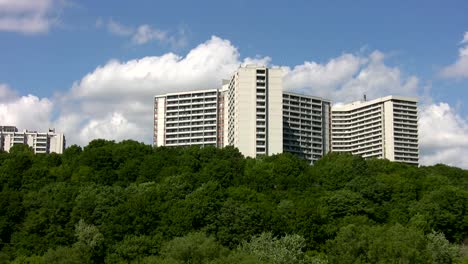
(187, 118)
(246, 113)
(254, 113)
(306, 126)
(40, 142)
(382, 128)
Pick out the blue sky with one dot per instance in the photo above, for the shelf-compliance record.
(89, 68)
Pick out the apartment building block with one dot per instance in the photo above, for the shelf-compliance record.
(306, 126)
(40, 142)
(386, 127)
(187, 118)
(252, 113)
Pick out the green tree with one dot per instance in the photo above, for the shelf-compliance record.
(335, 170)
(158, 165)
(11, 214)
(134, 249)
(446, 211)
(440, 249)
(71, 155)
(195, 248)
(90, 242)
(377, 244)
(65, 255)
(195, 212)
(237, 222)
(345, 203)
(19, 160)
(47, 219)
(269, 249)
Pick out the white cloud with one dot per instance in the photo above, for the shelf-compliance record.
(322, 79)
(203, 67)
(119, 29)
(124, 90)
(255, 61)
(25, 112)
(443, 135)
(6, 93)
(465, 38)
(28, 16)
(144, 33)
(460, 68)
(348, 77)
(114, 126)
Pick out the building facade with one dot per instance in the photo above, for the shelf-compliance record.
(245, 113)
(252, 113)
(187, 118)
(382, 128)
(306, 126)
(40, 142)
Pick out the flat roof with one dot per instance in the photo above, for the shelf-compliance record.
(186, 92)
(308, 96)
(359, 104)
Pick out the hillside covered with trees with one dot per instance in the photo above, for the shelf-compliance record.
(130, 203)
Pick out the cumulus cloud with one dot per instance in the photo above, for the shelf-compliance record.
(26, 16)
(121, 93)
(348, 77)
(443, 135)
(24, 111)
(144, 33)
(258, 60)
(115, 100)
(114, 126)
(203, 67)
(6, 93)
(320, 79)
(460, 68)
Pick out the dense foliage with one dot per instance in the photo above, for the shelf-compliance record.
(130, 203)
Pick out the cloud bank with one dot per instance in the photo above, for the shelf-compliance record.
(115, 100)
(24, 111)
(443, 135)
(348, 77)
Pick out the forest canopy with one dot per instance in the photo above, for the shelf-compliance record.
(128, 202)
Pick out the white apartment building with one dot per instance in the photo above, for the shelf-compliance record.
(246, 113)
(382, 128)
(187, 118)
(254, 113)
(40, 142)
(306, 126)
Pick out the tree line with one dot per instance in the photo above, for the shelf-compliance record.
(128, 202)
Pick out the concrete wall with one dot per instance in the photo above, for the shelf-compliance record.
(245, 116)
(275, 111)
(57, 143)
(388, 138)
(161, 121)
